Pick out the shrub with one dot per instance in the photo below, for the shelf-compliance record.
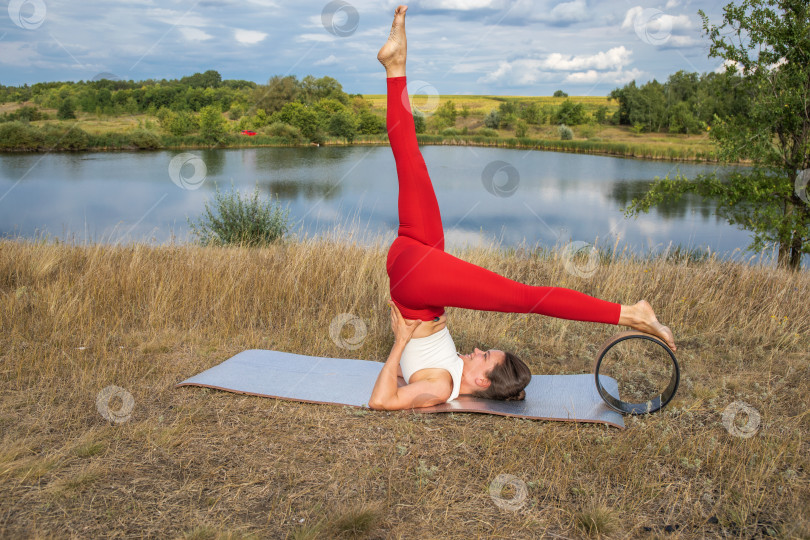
(20, 136)
(240, 222)
(145, 139)
(419, 121)
(493, 119)
(450, 132)
(565, 132)
(521, 128)
(487, 132)
(289, 134)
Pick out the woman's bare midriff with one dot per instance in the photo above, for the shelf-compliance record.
(428, 328)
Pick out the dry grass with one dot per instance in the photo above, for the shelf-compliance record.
(199, 463)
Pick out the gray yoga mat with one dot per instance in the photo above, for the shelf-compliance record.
(343, 381)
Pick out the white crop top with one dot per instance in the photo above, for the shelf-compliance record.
(434, 351)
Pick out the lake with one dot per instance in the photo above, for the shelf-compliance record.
(511, 197)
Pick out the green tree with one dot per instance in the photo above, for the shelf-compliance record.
(560, 93)
(531, 113)
(570, 113)
(419, 123)
(342, 124)
(212, 124)
(278, 92)
(447, 112)
(768, 42)
(370, 124)
(66, 110)
(521, 128)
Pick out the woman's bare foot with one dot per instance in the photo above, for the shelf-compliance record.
(641, 316)
(392, 55)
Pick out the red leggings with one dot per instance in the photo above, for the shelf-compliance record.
(424, 279)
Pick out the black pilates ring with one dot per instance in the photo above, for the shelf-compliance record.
(655, 404)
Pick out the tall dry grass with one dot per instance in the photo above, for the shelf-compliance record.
(199, 463)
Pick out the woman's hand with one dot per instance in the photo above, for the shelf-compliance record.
(403, 328)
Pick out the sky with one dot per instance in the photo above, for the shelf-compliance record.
(490, 47)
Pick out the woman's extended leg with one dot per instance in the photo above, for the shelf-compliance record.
(429, 279)
(419, 216)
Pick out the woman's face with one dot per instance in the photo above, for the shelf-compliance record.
(478, 363)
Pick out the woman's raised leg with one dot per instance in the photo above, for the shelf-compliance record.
(419, 216)
(454, 282)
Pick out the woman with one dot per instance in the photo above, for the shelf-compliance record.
(424, 279)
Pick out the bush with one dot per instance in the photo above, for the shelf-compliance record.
(246, 222)
(449, 132)
(493, 119)
(65, 138)
(565, 132)
(289, 134)
(144, 139)
(521, 128)
(560, 93)
(20, 136)
(66, 110)
(419, 123)
(487, 132)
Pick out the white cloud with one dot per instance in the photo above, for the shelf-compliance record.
(682, 41)
(614, 58)
(573, 11)
(722, 67)
(194, 34)
(249, 37)
(655, 20)
(592, 76)
(328, 61)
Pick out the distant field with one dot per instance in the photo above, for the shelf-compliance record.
(484, 104)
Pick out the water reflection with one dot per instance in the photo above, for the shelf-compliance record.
(129, 196)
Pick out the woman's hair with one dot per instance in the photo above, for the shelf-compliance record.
(507, 380)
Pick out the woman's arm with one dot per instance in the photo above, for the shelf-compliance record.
(386, 395)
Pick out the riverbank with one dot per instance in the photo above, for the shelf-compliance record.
(200, 463)
(141, 132)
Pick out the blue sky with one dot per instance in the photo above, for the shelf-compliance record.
(497, 47)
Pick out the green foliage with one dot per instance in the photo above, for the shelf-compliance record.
(560, 93)
(66, 110)
(20, 136)
(447, 112)
(343, 124)
(601, 114)
(212, 125)
(145, 139)
(531, 113)
(521, 128)
(570, 113)
(236, 221)
(773, 131)
(566, 134)
(288, 134)
(493, 119)
(487, 132)
(370, 123)
(25, 114)
(419, 121)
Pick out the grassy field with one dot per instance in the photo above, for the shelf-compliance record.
(199, 463)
